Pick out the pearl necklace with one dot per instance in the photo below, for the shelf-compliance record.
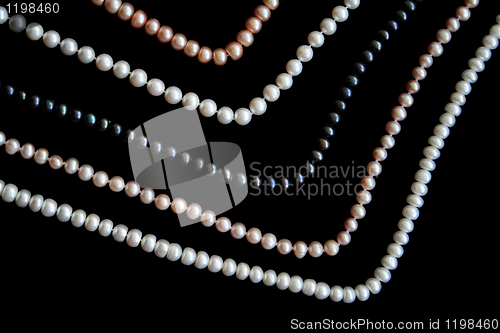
(191, 48)
(173, 251)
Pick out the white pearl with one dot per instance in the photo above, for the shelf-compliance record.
(336, 293)
(148, 243)
(436, 141)
(190, 101)
(309, 287)
(447, 119)
(41, 156)
(463, 87)
(121, 69)
(271, 93)
(453, 108)
(328, 26)
(51, 39)
(395, 249)
(22, 198)
(490, 42)
(2, 138)
(352, 4)
(34, 31)
(483, 53)
(134, 237)
(193, 211)
(419, 188)
(283, 281)
(304, 53)
(104, 62)
(268, 241)
(340, 13)
(120, 233)
(316, 39)
(322, 290)
(458, 98)
(12, 146)
(476, 64)
(64, 213)
(161, 248)
(415, 200)
(9, 192)
(405, 225)
(423, 176)
(387, 141)
(174, 252)
(382, 274)
(78, 218)
(100, 179)
(294, 67)
(208, 218)
(284, 81)
(86, 172)
(92, 222)
(229, 267)
(349, 295)
(256, 274)
(242, 116)
(215, 264)
(173, 95)
(156, 87)
(202, 260)
(86, 54)
(207, 107)
(442, 131)
(225, 115)
(49, 208)
(410, 212)
(270, 278)
(69, 46)
(431, 152)
(401, 237)
(36, 203)
(242, 271)
(495, 30)
(258, 106)
(390, 262)
(362, 292)
(374, 285)
(296, 284)
(469, 75)
(105, 228)
(138, 78)
(4, 15)
(71, 165)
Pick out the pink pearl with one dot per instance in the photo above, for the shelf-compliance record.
(331, 247)
(27, 151)
(471, 3)
(379, 154)
(192, 48)
(205, 55)
(284, 246)
(178, 205)
(363, 197)
(262, 12)
(112, 6)
(373, 168)
(268, 241)
(315, 249)
(358, 211)
(398, 113)
(300, 249)
(462, 13)
(220, 57)
(100, 179)
(271, 4)
(453, 24)
(139, 19)
(443, 36)
(245, 38)
(152, 27)
(368, 183)
(412, 86)
(405, 100)
(223, 224)
(253, 24)
(56, 162)
(193, 211)
(425, 60)
(343, 238)
(393, 127)
(419, 73)
(41, 156)
(235, 50)
(254, 236)
(435, 49)
(97, 2)
(387, 141)
(147, 196)
(351, 224)
(116, 184)
(178, 42)
(162, 202)
(208, 218)
(165, 34)
(238, 231)
(126, 11)
(132, 189)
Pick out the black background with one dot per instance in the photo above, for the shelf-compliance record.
(53, 271)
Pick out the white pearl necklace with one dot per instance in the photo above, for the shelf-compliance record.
(214, 263)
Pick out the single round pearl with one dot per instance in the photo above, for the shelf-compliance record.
(242, 116)
(336, 293)
(340, 14)
(215, 264)
(258, 106)
(490, 42)
(17, 22)
(49, 208)
(202, 260)
(343, 238)
(471, 3)
(425, 60)
(349, 295)
(393, 127)
(304, 53)
(223, 224)
(193, 211)
(220, 57)
(309, 287)
(382, 274)
(162, 202)
(389, 262)
(174, 252)
(441, 131)
(379, 154)
(284, 81)
(78, 219)
(271, 4)
(112, 6)
(476, 64)
(51, 39)
(405, 225)
(284, 246)
(4, 15)
(229, 267)
(104, 62)
(132, 189)
(205, 55)
(139, 19)
(190, 101)
(270, 278)
(12, 146)
(296, 284)
(148, 243)
(165, 34)
(419, 188)
(178, 205)
(431, 152)
(254, 236)
(398, 113)
(447, 119)
(283, 281)
(316, 39)
(116, 184)
(374, 168)
(415, 200)
(23, 198)
(363, 197)
(207, 107)
(86, 172)
(271, 93)
(256, 274)
(234, 50)
(36, 203)
(34, 31)
(242, 271)
(121, 69)
(138, 78)
(147, 196)
(245, 37)
(395, 249)
(262, 12)
(71, 165)
(331, 247)
(427, 164)
(368, 183)
(105, 228)
(412, 86)
(358, 211)
(423, 176)
(494, 30)
(92, 222)
(100, 179)
(362, 292)
(9, 192)
(452, 24)
(315, 249)
(463, 87)
(443, 36)
(178, 42)
(401, 237)
(458, 98)
(410, 212)
(253, 24)
(483, 53)
(41, 156)
(156, 87)
(406, 100)
(300, 249)
(328, 26)
(173, 95)
(419, 73)
(64, 212)
(352, 4)
(152, 27)
(69, 46)
(27, 151)
(192, 48)
(126, 11)
(387, 141)
(453, 108)
(294, 67)
(86, 54)
(462, 13)
(238, 230)
(119, 233)
(225, 115)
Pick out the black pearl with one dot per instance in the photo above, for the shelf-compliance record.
(323, 144)
(126, 135)
(75, 116)
(383, 35)
(328, 131)
(62, 110)
(401, 16)
(89, 120)
(299, 179)
(367, 56)
(103, 124)
(409, 6)
(316, 156)
(308, 170)
(359, 68)
(352, 80)
(21, 96)
(255, 182)
(34, 102)
(376, 46)
(333, 118)
(116, 130)
(284, 183)
(270, 182)
(48, 105)
(345, 92)
(392, 26)
(8, 91)
(339, 105)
